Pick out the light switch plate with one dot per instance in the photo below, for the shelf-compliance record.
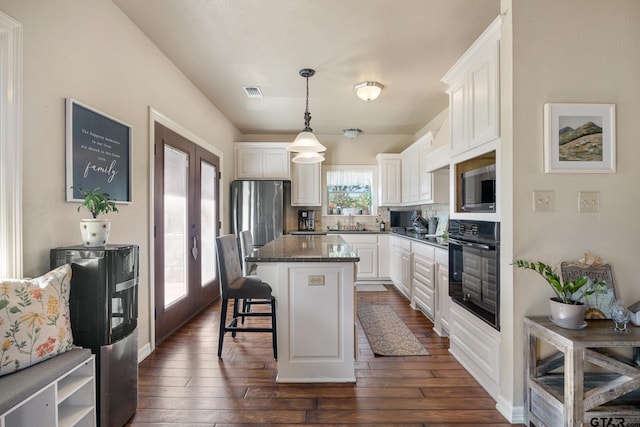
(588, 201)
(544, 201)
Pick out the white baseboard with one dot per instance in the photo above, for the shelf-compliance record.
(513, 414)
(144, 352)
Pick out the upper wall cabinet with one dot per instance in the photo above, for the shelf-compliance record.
(474, 97)
(390, 179)
(411, 176)
(306, 184)
(257, 160)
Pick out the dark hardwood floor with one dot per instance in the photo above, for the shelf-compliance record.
(183, 383)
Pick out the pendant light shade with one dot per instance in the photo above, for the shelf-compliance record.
(308, 157)
(306, 141)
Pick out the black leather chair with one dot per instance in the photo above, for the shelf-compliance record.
(236, 286)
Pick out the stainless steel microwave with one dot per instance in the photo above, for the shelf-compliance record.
(479, 189)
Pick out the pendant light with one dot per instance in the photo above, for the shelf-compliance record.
(307, 157)
(306, 141)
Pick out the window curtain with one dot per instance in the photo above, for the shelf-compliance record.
(342, 178)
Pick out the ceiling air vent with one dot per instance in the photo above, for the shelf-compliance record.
(253, 91)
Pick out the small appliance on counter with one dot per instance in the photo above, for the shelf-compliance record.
(401, 220)
(306, 220)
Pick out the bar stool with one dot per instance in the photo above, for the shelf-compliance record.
(234, 285)
(246, 247)
(248, 268)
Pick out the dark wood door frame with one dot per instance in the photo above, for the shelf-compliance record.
(169, 319)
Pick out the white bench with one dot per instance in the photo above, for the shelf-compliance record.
(56, 392)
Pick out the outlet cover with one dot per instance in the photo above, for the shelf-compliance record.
(544, 201)
(316, 280)
(588, 201)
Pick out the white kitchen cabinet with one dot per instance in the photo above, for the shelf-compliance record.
(423, 278)
(384, 257)
(474, 97)
(443, 306)
(306, 184)
(400, 269)
(366, 246)
(434, 185)
(390, 179)
(410, 175)
(425, 194)
(256, 160)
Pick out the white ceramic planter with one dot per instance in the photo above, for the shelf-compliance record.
(95, 232)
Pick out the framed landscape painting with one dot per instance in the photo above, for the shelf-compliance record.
(579, 138)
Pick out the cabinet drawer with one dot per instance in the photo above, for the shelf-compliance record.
(423, 249)
(424, 297)
(424, 273)
(400, 243)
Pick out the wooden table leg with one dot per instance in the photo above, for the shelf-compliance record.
(574, 386)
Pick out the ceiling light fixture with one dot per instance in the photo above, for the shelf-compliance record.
(307, 157)
(351, 133)
(306, 141)
(368, 91)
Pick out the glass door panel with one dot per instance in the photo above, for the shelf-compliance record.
(176, 192)
(208, 222)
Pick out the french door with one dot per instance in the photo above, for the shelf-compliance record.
(186, 223)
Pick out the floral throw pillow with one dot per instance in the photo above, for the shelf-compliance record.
(34, 319)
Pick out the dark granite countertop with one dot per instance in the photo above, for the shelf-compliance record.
(319, 232)
(438, 242)
(305, 248)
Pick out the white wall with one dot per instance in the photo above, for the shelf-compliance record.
(572, 51)
(88, 50)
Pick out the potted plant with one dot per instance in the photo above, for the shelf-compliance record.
(95, 231)
(566, 312)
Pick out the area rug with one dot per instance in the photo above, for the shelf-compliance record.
(362, 287)
(387, 333)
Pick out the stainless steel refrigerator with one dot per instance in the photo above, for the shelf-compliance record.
(258, 206)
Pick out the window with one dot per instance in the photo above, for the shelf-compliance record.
(349, 190)
(10, 147)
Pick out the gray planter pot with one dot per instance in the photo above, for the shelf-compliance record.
(568, 316)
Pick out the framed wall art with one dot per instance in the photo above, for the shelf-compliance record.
(98, 153)
(579, 138)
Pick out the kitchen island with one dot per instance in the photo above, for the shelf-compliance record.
(312, 277)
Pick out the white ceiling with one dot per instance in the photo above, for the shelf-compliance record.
(407, 45)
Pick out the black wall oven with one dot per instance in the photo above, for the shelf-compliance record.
(474, 268)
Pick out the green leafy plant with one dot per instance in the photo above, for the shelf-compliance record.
(564, 290)
(96, 202)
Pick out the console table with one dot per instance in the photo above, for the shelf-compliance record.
(571, 397)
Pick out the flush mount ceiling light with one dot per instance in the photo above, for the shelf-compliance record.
(368, 91)
(306, 141)
(351, 133)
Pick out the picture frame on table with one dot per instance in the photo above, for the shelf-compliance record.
(98, 153)
(579, 138)
(602, 302)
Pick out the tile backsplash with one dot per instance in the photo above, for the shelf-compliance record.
(370, 222)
